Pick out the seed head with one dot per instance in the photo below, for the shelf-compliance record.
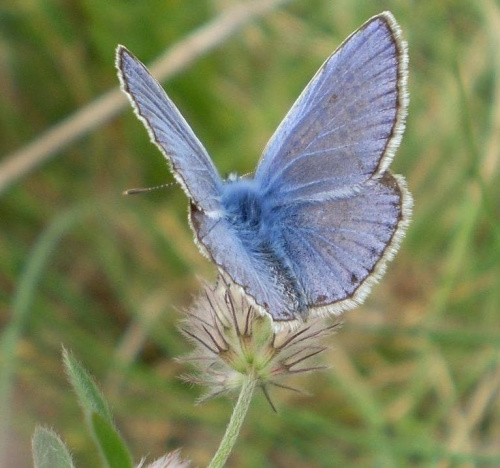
(233, 339)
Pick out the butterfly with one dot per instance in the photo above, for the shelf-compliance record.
(313, 229)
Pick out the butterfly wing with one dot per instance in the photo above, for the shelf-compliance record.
(191, 164)
(339, 248)
(347, 124)
(338, 213)
(189, 160)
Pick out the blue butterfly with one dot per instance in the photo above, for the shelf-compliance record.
(312, 231)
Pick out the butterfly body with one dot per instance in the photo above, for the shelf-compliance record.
(244, 206)
(312, 231)
(248, 216)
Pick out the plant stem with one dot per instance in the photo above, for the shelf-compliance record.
(234, 425)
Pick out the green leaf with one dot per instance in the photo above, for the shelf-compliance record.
(49, 451)
(113, 449)
(90, 397)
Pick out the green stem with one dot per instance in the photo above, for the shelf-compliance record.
(234, 425)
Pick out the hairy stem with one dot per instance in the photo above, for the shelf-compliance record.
(234, 425)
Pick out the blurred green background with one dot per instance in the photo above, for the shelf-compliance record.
(415, 371)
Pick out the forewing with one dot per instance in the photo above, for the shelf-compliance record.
(347, 123)
(257, 273)
(189, 160)
(339, 248)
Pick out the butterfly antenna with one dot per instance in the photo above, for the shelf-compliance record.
(135, 191)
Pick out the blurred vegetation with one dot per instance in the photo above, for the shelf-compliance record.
(415, 373)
